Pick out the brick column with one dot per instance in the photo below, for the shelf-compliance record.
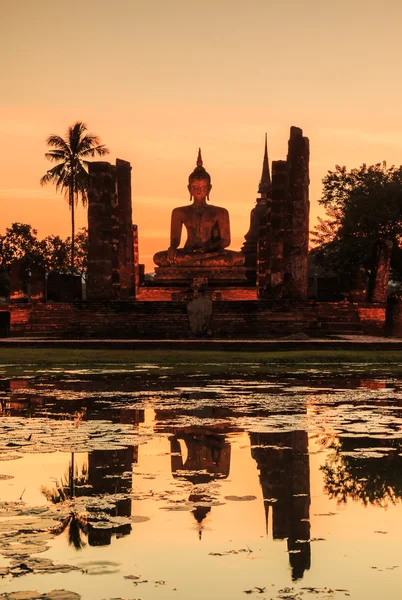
(103, 233)
(18, 282)
(264, 253)
(379, 280)
(136, 259)
(38, 284)
(297, 217)
(126, 248)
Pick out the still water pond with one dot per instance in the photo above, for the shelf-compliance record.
(140, 484)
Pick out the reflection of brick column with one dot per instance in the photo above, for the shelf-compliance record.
(103, 233)
(106, 475)
(126, 249)
(380, 276)
(297, 218)
(283, 466)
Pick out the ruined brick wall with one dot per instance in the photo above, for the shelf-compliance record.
(246, 319)
(283, 242)
(372, 318)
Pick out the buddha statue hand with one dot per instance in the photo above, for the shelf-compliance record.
(171, 255)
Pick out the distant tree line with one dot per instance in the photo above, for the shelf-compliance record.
(20, 242)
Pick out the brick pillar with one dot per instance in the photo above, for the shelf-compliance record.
(136, 258)
(297, 219)
(394, 316)
(278, 215)
(103, 233)
(358, 288)
(18, 282)
(126, 248)
(264, 252)
(300, 511)
(380, 276)
(38, 284)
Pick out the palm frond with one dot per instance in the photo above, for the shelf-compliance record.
(100, 150)
(56, 175)
(56, 141)
(56, 155)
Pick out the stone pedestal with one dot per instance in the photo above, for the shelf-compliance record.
(184, 276)
(199, 312)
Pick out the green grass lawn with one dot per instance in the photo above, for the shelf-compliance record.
(184, 361)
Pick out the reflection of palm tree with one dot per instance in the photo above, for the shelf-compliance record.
(76, 524)
(70, 173)
(73, 484)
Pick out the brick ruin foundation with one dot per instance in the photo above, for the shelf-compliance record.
(273, 303)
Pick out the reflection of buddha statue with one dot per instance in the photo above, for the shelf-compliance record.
(208, 230)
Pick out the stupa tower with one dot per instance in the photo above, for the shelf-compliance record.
(257, 218)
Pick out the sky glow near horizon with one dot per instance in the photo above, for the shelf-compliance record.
(157, 80)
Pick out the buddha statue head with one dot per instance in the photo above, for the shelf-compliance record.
(199, 181)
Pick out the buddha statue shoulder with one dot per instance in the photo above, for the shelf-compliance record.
(207, 227)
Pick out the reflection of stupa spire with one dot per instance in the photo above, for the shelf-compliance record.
(283, 465)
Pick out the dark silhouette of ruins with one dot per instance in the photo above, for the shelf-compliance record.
(264, 291)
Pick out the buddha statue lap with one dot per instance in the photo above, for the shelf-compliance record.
(205, 252)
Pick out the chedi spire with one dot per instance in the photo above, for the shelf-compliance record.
(265, 186)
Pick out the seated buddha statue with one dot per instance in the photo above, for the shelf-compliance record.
(207, 226)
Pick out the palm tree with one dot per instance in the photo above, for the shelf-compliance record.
(70, 174)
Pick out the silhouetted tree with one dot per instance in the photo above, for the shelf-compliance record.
(56, 253)
(20, 243)
(362, 206)
(81, 251)
(70, 174)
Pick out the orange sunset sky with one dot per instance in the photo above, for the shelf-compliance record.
(157, 79)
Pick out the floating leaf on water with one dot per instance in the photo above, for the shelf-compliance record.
(241, 498)
(7, 457)
(139, 519)
(60, 595)
(177, 507)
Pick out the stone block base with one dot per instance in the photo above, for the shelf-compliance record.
(184, 276)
